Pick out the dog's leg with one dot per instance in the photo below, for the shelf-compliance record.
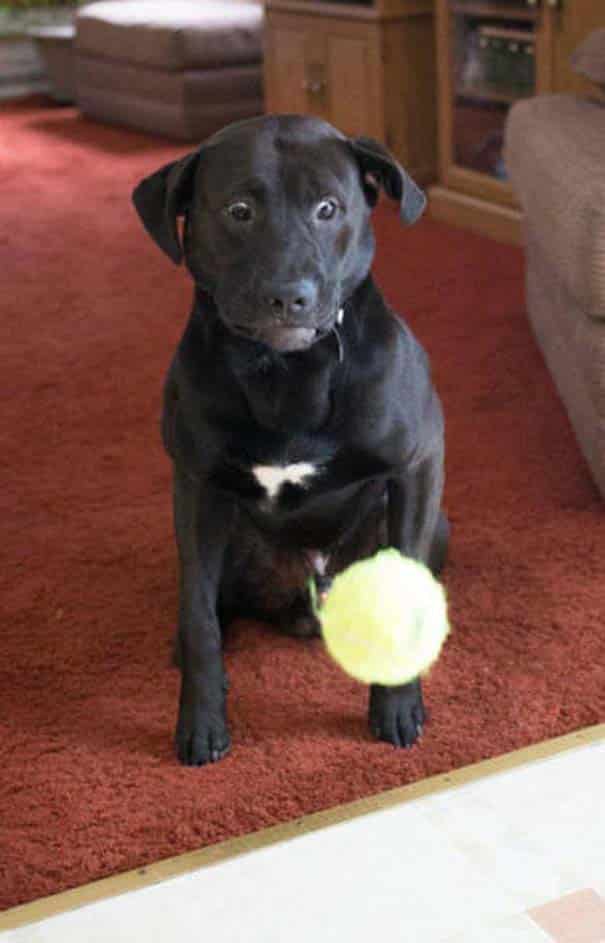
(203, 522)
(418, 529)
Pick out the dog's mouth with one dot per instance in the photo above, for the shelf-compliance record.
(286, 338)
(280, 337)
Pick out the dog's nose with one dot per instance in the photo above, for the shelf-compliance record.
(293, 300)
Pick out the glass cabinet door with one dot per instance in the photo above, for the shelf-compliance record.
(492, 64)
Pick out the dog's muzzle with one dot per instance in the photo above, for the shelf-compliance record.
(286, 338)
(279, 337)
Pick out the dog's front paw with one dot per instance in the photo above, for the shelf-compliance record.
(202, 735)
(397, 714)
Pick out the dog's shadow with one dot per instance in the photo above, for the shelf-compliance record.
(274, 725)
(263, 710)
(268, 719)
(271, 717)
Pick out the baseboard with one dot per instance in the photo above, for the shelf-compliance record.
(502, 223)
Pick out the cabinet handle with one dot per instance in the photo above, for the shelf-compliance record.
(313, 86)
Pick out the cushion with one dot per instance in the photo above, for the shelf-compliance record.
(589, 58)
(554, 146)
(175, 35)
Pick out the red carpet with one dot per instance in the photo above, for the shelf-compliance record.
(91, 313)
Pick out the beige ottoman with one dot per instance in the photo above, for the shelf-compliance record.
(555, 156)
(180, 68)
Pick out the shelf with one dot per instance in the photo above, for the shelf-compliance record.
(487, 93)
(490, 11)
(367, 10)
(349, 10)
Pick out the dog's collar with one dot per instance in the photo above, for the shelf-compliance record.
(334, 331)
(341, 349)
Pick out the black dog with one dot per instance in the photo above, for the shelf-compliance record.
(299, 410)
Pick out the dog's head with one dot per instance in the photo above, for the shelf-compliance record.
(276, 217)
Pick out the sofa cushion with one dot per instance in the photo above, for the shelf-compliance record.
(175, 35)
(554, 147)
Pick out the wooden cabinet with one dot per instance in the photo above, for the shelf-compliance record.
(366, 69)
(491, 53)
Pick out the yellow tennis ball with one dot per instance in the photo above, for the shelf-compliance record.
(384, 619)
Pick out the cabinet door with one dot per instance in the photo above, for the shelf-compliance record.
(572, 21)
(285, 73)
(326, 67)
(353, 72)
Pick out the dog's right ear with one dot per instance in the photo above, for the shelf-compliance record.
(380, 169)
(164, 196)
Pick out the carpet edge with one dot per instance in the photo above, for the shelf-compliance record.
(167, 868)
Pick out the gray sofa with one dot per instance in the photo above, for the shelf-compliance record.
(555, 156)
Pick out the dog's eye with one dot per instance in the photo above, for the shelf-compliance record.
(326, 209)
(240, 211)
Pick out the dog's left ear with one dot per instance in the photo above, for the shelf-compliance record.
(379, 168)
(164, 196)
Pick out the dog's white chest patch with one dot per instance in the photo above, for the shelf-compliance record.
(273, 477)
